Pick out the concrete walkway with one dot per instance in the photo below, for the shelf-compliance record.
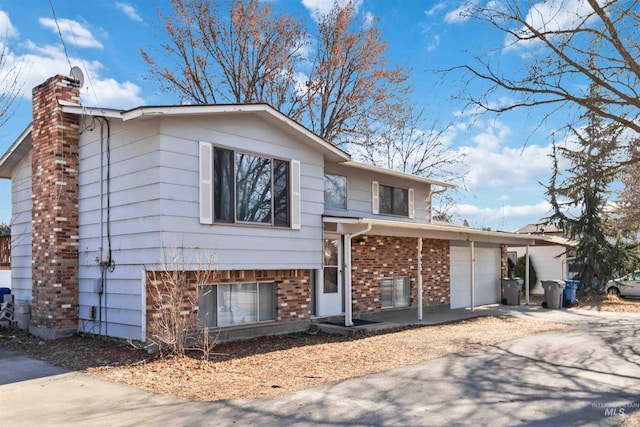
(587, 375)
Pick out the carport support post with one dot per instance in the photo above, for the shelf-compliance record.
(526, 277)
(348, 309)
(473, 262)
(419, 278)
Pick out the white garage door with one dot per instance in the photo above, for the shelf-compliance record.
(486, 276)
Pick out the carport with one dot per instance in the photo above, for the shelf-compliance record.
(477, 256)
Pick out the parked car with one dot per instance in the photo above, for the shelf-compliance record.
(626, 286)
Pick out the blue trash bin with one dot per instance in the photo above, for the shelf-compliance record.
(3, 292)
(569, 293)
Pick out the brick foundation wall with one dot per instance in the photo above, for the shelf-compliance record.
(293, 292)
(375, 257)
(54, 307)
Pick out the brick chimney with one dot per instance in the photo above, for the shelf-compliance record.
(54, 199)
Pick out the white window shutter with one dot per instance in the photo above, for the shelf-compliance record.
(412, 206)
(295, 194)
(206, 182)
(375, 197)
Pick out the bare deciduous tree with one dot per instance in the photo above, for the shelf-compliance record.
(10, 84)
(569, 46)
(351, 77)
(628, 206)
(254, 55)
(247, 55)
(404, 138)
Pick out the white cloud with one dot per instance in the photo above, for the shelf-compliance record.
(369, 19)
(42, 62)
(436, 8)
(6, 27)
(73, 32)
(541, 209)
(550, 15)
(318, 8)
(130, 11)
(434, 43)
(461, 14)
(506, 214)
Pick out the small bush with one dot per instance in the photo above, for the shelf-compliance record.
(520, 271)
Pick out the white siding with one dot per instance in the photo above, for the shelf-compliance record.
(360, 202)
(550, 263)
(154, 204)
(238, 246)
(21, 231)
(135, 224)
(486, 275)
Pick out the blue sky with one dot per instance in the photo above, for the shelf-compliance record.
(103, 38)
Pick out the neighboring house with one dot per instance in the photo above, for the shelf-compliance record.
(298, 232)
(552, 256)
(5, 260)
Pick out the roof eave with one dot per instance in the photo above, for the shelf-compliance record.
(264, 111)
(398, 174)
(14, 154)
(456, 233)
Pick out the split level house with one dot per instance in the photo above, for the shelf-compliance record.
(293, 230)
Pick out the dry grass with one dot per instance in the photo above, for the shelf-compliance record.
(260, 368)
(610, 303)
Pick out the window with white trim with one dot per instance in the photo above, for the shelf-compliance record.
(390, 200)
(231, 304)
(238, 187)
(335, 191)
(395, 292)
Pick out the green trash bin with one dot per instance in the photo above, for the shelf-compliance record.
(553, 293)
(511, 291)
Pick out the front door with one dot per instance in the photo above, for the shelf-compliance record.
(330, 300)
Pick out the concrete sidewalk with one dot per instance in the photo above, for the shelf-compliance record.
(587, 375)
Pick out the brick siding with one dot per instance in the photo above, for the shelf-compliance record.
(436, 272)
(504, 265)
(375, 257)
(293, 291)
(54, 307)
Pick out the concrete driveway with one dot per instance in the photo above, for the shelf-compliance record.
(588, 375)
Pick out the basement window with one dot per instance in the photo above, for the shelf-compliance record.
(236, 304)
(395, 292)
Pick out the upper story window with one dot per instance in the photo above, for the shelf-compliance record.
(335, 191)
(237, 187)
(390, 200)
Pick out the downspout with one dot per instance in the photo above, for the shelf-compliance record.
(348, 309)
(419, 278)
(526, 277)
(431, 193)
(472, 265)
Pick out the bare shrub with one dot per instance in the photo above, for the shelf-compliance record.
(173, 291)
